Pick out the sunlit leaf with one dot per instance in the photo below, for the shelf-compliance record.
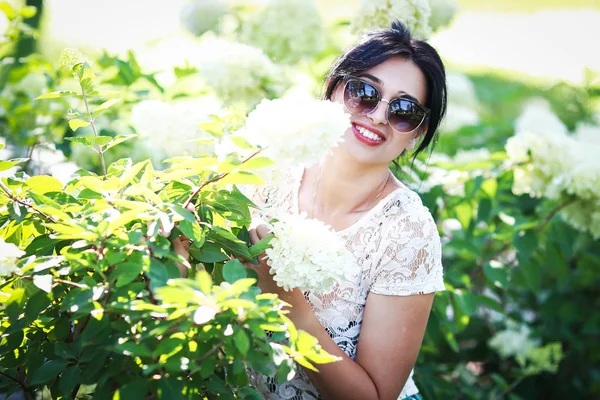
(75, 124)
(56, 95)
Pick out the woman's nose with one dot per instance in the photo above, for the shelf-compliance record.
(378, 114)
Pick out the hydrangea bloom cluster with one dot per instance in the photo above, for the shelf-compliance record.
(442, 12)
(452, 180)
(173, 127)
(549, 162)
(513, 341)
(69, 58)
(374, 14)
(9, 253)
(239, 73)
(306, 254)
(199, 16)
(296, 130)
(285, 41)
(462, 103)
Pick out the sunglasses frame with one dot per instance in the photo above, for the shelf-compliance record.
(426, 111)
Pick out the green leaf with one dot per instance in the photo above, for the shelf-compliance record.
(28, 12)
(80, 140)
(229, 241)
(126, 273)
(256, 163)
(105, 106)
(209, 253)
(192, 230)
(4, 165)
(233, 270)
(69, 379)
(47, 372)
(466, 301)
(242, 178)
(464, 213)
(56, 95)
(65, 350)
(36, 305)
(526, 243)
(170, 388)
(131, 348)
(260, 246)
(119, 139)
(136, 390)
(484, 209)
(242, 342)
(496, 273)
(8, 10)
(102, 140)
(75, 124)
(43, 184)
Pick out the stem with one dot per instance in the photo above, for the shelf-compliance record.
(91, 121)
(208, 353)
(13, 198)
(513, 385)
(553, 213)
(29, 155)
(77, 285)
(213, 180)
(150, 294)
(25, 388)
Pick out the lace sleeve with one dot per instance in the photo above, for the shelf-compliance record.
(411, 255)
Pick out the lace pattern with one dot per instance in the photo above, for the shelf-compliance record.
(397, 247)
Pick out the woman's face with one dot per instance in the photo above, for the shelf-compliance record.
(395, 77)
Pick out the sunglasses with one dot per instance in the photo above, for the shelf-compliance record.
(403, 114)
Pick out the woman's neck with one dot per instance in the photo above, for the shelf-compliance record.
(345, 186)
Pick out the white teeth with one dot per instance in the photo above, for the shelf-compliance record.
(367, 133)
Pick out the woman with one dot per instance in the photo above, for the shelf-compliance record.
(394, 88)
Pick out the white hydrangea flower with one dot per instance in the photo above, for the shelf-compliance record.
(513, 341)
(9, 253)
(555, 164)
(442, 12)
(462, 103)
(464, 157)
(588, 132)
(307, 254)
(173, 127)
(287, 30)
(538, 117)
(199, 16)
(374, 14)
(238, 72)
(296, 130)
(452, 181)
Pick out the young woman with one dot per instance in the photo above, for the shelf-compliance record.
(394, 88)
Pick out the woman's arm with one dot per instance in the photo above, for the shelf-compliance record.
(390, 338)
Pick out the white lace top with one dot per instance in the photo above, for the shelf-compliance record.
(397, 247)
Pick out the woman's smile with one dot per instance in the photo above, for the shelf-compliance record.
(368, 136)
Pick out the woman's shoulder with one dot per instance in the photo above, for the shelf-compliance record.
(405, 204)
(410, 256)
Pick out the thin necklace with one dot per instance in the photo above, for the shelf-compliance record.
(312, 209)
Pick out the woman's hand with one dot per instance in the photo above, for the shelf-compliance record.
(266, 283)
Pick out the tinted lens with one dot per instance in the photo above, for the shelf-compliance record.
(360, 97)
(405, 115)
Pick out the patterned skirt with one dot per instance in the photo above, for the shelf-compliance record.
(414, 397)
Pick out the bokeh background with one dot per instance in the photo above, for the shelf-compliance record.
(513, 182)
